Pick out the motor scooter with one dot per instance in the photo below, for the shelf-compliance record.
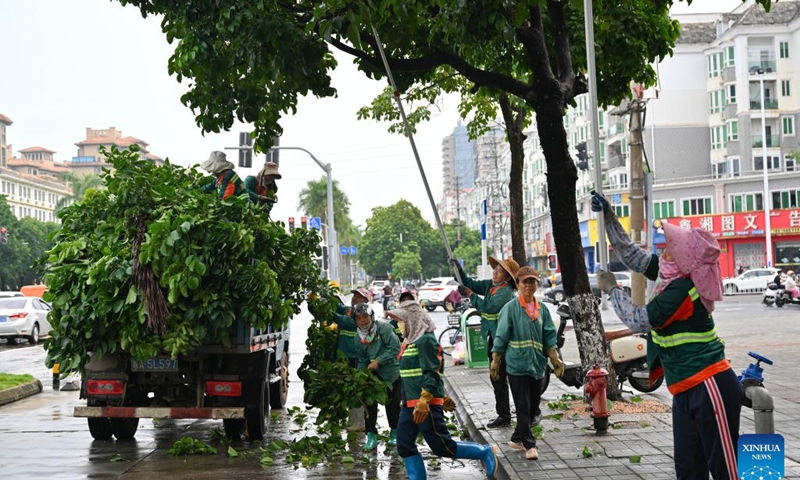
(777, 295)
(628, 354)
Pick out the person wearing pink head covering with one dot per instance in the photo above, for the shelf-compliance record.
(682, 342)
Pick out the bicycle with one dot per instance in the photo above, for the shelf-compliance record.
(452, 334)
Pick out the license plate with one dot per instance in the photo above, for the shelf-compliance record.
(158, 364)
(3, 319)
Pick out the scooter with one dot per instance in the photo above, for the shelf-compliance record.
(628, 353)
(778, 296)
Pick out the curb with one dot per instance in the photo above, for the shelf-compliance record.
(465, 415)
(19, 392)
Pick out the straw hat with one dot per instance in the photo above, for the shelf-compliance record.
(271, 168)
(509, 265)
(217, 162)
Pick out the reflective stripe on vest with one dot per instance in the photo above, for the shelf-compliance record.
(411, 372)
(668, 341)
(525, 344)
(410, 351)
(347, 333)
(492, 317)
(693, 294)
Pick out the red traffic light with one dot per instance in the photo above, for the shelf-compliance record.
(291, 223)
(303, 222)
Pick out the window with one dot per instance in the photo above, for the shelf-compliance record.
(714, 62)
(786, 88)
(731, 91)
(719, 136)
(788, 125)
(784, 47)
(746, 202)
(622, 210)
(716, 101)
(602, 152)
(730, 59)
(697, 206)
(663, 209)
(733, 131)
(773, 163)
(601, 119)
(785, 199)
(791, 162)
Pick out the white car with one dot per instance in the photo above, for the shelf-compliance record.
(435, 291)
(752, 281)
(376, 289)
(624, 281)
(23, 317)
(9, 293)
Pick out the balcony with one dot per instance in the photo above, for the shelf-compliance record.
(768, 66)
(773, 141)
(769, 104)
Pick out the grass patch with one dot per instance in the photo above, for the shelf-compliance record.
(8, 380)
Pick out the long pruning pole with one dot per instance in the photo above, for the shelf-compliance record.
(410, 134)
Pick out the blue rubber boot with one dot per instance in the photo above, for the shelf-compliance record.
(392, 437)
(484, 453)
(415, 467)
(372, 442)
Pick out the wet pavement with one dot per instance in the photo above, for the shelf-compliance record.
(39, 438)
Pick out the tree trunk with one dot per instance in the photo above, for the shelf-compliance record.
(562, 176)
(514, 119)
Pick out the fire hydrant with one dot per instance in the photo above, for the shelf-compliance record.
(596, 389)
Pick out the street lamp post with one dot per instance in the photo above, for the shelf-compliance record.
(767, 196)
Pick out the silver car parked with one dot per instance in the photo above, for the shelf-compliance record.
(23, 317)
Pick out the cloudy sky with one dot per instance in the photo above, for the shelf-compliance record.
(73, 64)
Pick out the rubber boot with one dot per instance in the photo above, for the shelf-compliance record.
(415, 467)
(392, 437)
(372, 442)
(484, 453)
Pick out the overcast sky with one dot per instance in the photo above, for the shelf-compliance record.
(72, 64)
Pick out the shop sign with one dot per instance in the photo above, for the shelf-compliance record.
(743, 224)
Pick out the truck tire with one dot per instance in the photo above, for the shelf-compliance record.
(256, 397)
(99, 427)
(279, 390)
(124, 428)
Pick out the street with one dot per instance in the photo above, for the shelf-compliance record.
(40, 438)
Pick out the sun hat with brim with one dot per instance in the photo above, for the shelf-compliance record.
(217, 162)
(509, 265)
(363, 292)
(527, 272)
(271, 168)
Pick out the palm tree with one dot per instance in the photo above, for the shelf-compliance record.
(79, 186)
(314, 203)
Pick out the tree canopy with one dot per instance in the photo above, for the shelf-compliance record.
(28, 240)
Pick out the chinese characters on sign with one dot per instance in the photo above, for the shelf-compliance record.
(744, 224)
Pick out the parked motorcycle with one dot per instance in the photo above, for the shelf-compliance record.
(628, 353)
(778, 296)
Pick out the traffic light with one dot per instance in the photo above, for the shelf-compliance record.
(3, 235)
(583, 156)
(303, 222)
(552, 262)
(291, 223)
(245, 150)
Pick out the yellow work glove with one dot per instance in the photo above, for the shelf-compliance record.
(421, 410)
(494, 370)
(558, 365)
(449, 405)
(333, 327)
(313, 296)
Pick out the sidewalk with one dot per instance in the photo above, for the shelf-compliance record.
(561, 449)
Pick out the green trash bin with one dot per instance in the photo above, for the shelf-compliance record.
(477, 349)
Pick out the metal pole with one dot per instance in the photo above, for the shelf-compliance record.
(767, 196)
(598, 168)
(410, 135)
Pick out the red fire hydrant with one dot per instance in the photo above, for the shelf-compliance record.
(596, 389)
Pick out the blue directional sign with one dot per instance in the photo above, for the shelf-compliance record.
(353, 250)
(343, 250)
(315, 222)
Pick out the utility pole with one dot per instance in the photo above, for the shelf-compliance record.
(458, 213)
(636, 143)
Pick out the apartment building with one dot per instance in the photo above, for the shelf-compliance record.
(89, 160)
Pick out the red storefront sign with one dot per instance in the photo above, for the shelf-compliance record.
(744, 224)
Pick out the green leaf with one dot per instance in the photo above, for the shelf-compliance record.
(348, 459)
(266, 460)
(232, 452)
(587, 452)
(117, 458)
(635, 458)
(131, 295)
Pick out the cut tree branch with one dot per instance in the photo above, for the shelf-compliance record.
(555, 9)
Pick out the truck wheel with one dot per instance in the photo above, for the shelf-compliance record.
(256, 395)
(234, 428)
(256, 415)
(99, 427)
(124, 428)
(279, 390)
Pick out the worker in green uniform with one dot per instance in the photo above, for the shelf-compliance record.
(377, 347)
(525, 338)
(424, 401)
(489, 297)
(263, 188)
(226, 182)
(345, 321)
